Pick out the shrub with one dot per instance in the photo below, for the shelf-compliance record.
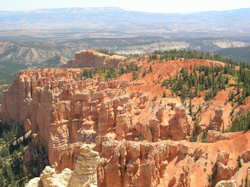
(241, 123)
(134, 75)
(204, 136)
(193, 138)
(164, 95)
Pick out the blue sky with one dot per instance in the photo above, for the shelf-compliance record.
(181, 6)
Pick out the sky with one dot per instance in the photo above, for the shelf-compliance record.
(164, 6)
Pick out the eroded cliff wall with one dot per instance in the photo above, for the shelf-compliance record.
(142, 138)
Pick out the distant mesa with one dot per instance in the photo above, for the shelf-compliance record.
(95, 59)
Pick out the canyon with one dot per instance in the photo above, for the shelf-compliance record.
(123, 132)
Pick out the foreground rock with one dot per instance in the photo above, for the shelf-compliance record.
(84, 175)
(49, 178)
(139, 164)
(35, 182)
(230, 183)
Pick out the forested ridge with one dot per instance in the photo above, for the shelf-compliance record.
(13, 144)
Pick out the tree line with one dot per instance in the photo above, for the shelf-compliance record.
(188, 54)
(110, 73)
(13, 171)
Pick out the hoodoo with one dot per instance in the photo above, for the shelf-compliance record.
(132, 122)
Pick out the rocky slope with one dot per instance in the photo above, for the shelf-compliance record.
(34, 54)
(142, 138)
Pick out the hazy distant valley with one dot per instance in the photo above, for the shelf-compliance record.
(25, 53)
(48, 38)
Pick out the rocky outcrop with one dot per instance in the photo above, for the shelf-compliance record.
(214, 136)
(222, 170)
(23, 96)
(49, 178)
(94, 59)
(141, 138)
(63, 110)
(179, 125)
(129, 163)
(223, 157)
(246, 156)
(35, 182)
(228, 183)
(216, 122)
(85, 172)
(84, 175)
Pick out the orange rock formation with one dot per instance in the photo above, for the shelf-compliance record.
(142, 138)
(92, 58)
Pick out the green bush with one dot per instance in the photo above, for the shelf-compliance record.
(204, 137)
(109, 73)
(88, 73)
(193, 138)
(134, 75)
(242, 123)
(188, 84)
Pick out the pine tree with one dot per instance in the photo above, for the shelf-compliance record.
(150, 69)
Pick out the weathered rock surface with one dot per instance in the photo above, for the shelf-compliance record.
(35, 182)
(92, 58)
(214, 136)
(141, 138)
(85, 172)
(223, 157)
(246, 156)
(63, 110)
(222, 170)
(229, 183)
(49, 178)
(84, 175)
(129, 163)
(216, 122)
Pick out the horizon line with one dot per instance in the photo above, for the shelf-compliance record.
(125, 9)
